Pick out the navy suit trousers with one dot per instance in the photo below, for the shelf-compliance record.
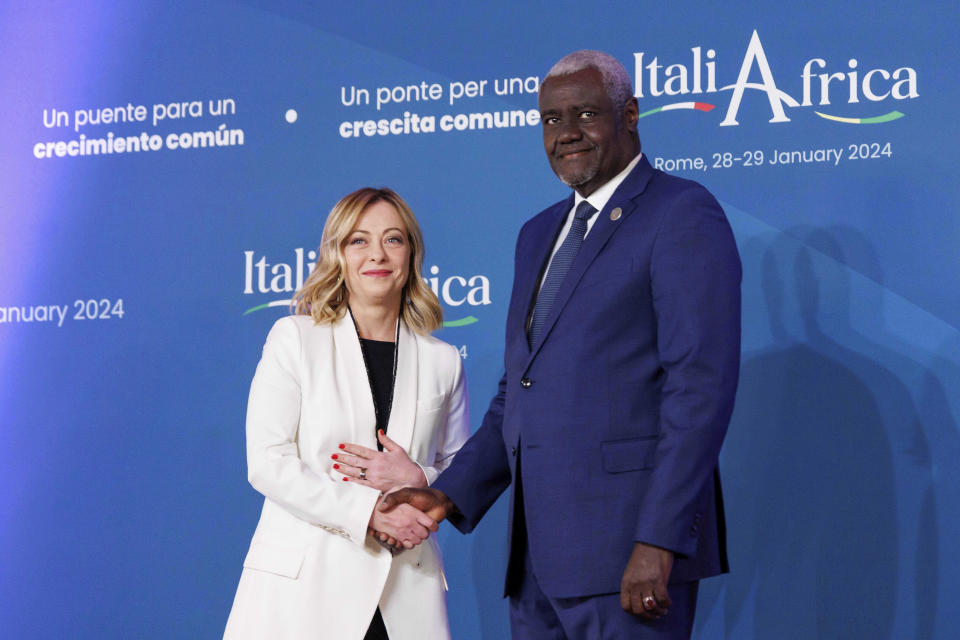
(536, 616)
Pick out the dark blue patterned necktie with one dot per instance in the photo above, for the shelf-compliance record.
(558, 268)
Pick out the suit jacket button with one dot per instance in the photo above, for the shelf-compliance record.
(693, 531)
(526, 382)
(513, 451)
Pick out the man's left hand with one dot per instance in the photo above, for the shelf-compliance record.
(643, 589)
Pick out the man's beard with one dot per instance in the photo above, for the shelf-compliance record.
(584, 175)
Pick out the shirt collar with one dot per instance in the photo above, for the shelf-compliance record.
(599, 198)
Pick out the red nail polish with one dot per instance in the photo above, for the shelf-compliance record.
(334, 456)
(336, 466)
(345, 479)
(343, 446)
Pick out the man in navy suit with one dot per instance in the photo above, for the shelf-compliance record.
(621, 369)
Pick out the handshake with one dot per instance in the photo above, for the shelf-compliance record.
(404, 518)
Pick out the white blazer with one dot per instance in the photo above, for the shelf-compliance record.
(312, 571)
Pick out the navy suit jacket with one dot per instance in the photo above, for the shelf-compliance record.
(622, 405)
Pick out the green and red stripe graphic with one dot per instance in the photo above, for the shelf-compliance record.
(705, 106)
(676, 106)
(887, 117)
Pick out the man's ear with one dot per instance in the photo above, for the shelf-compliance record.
(631, 113)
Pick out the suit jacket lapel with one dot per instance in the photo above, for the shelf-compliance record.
(403, 413)
(624, 199)
(354, 384)
(542, 244)
(363, 417)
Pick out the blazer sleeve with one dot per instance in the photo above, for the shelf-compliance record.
(695, 279)
(456, 426)
(274, 467)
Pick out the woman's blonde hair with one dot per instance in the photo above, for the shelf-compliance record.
(324, 294)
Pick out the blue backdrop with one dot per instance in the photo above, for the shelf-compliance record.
(165, 171)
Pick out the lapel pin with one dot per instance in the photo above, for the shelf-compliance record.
(615, 214)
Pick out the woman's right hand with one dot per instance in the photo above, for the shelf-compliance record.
(385, 541)
(406, 525)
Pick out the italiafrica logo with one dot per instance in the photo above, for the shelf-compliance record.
(262, 277)
(700, 77)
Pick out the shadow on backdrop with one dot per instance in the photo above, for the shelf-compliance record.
(809, 468)
(924, 436)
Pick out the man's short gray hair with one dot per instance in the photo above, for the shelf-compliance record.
(616, 80)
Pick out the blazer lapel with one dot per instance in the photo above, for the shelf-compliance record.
(623, 199)
(404, 409)
(355, 383)
(542, 245)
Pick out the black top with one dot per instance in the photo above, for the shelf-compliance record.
(379, 360)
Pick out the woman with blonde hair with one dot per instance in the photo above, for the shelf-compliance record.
(352, 398)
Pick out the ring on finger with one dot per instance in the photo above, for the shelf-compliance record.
(363, 473)
(649, 602)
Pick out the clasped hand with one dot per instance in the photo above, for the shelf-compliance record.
(400, 526)
(429, 503)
